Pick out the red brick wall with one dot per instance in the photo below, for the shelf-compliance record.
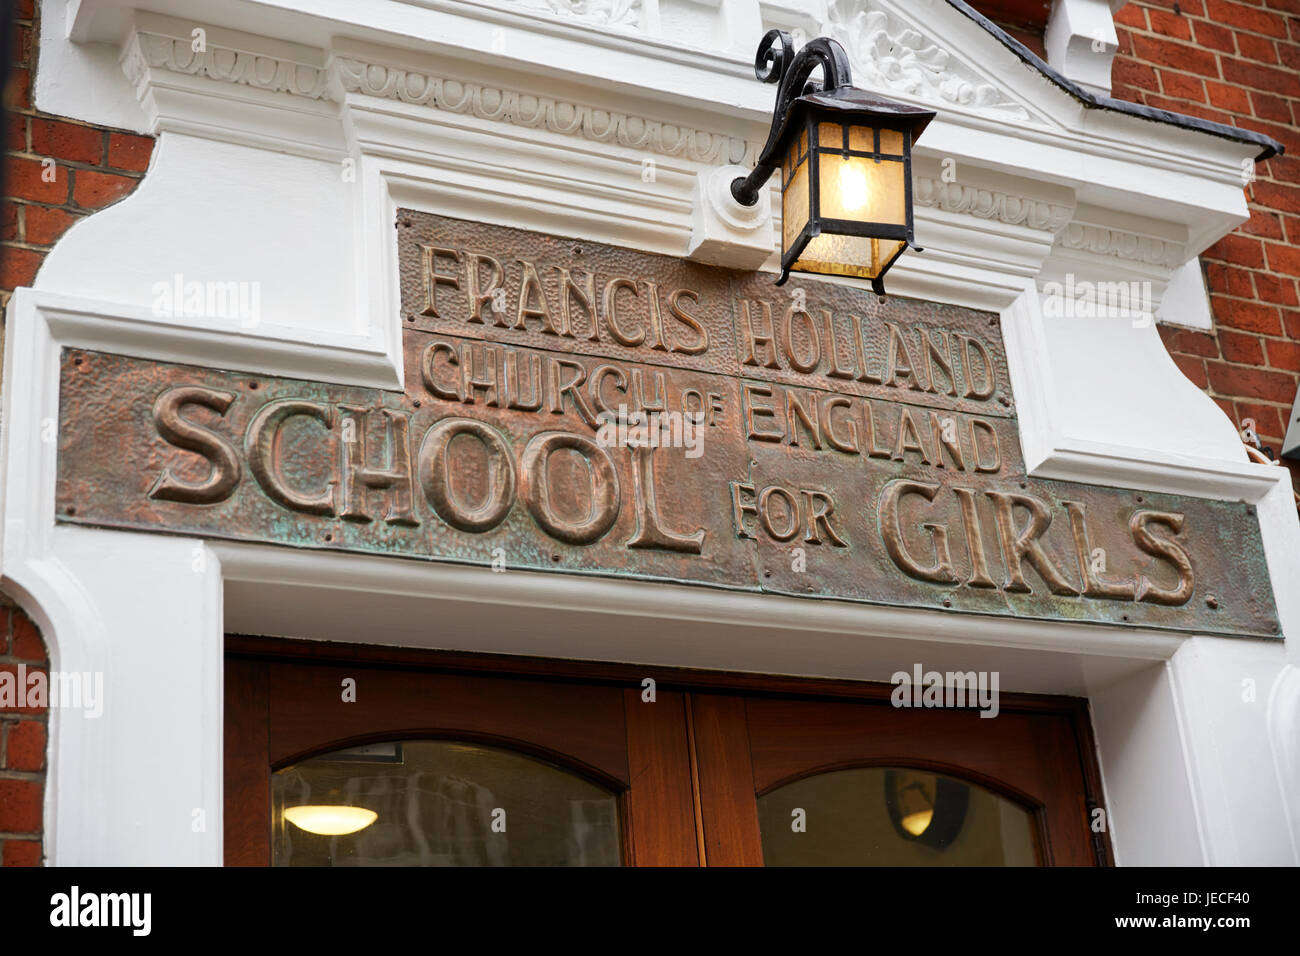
(93, 167)
(1237, 62)
(22, 746)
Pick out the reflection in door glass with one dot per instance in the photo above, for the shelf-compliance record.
(892, 817)
(439, 803)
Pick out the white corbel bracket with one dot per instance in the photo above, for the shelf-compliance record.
(723, 232)
(1081, 41)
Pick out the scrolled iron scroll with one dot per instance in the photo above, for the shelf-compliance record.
(776, 62)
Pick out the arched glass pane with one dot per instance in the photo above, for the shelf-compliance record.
(439, 803)
(882, 816)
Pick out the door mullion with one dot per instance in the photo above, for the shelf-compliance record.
(660, 809)
(729, 805)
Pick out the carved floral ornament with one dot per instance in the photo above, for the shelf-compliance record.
(890, 56)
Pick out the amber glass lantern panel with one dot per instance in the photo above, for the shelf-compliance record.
(857, 189)
(796, 193)
(861, 256)
(861, 188)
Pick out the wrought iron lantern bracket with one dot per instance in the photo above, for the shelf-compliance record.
(776, 62)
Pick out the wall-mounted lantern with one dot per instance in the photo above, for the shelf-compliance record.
(845, 160)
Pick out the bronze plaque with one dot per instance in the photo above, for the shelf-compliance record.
(586, 409)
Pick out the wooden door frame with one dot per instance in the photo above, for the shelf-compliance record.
(710, 705)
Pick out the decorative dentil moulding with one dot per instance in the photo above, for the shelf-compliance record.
(892, 57)
(990, 204)
(1129, 246)
(145, 51)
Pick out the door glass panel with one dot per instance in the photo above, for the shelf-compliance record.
(439, 803)
(892, 817)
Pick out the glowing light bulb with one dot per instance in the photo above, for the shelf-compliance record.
(853, 186)
(330, 820)
(917, 823)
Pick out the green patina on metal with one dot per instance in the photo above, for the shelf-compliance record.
(585, 409)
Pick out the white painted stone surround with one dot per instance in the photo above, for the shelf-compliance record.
(534, 114)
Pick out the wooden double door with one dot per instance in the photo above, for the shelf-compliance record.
(339, 755)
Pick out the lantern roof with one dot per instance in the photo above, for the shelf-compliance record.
(854, 103)
(872, 109)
